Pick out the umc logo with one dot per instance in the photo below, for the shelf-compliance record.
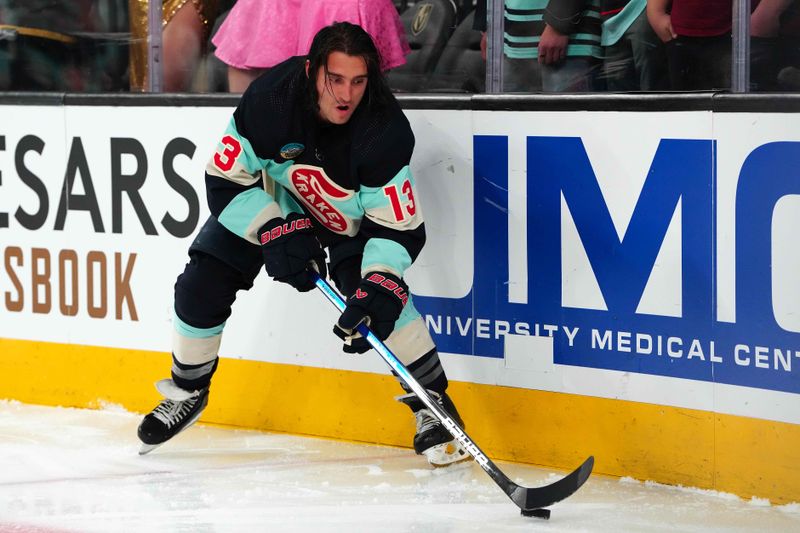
(755, 351)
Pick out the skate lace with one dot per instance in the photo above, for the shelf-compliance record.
(170, 412)
(425, 420)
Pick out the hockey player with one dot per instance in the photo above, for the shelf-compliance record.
(315, 157)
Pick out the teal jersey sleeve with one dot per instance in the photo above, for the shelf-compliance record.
(238, 175)
(394, 216)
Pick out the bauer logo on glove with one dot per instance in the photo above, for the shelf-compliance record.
(398, 288)
(377, 301)
(285, 229)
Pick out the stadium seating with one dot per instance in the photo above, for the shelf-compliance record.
(461, 67)
(428, 26)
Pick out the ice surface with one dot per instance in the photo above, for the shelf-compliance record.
(79, 471)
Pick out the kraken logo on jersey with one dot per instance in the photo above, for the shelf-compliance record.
(321, 196)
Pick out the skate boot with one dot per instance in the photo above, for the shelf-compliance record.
(432, 439)
(177, 411)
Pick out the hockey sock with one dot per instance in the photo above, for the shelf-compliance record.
(193, 377)
(428, 371)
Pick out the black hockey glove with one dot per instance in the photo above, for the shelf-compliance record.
(290, 247)
(378, 301)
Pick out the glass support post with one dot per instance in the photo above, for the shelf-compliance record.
(740, 67)
(494, 46)
(155, 71)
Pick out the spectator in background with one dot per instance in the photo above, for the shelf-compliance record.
(550, 46)
(772, 42)
(789, 49)
(38, 48)
(256, 35)
(697, 34)
(259, 34)
(186, 24)
(634, 57)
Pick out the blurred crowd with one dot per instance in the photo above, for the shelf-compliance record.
(426, 45)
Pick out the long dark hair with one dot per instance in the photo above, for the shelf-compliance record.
(352, 40)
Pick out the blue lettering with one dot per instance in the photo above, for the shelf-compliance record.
(682, 171)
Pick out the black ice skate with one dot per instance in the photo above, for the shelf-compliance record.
(432, 439)
(177, 411)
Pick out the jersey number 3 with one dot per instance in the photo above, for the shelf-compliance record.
(397, 206)
(225, 159)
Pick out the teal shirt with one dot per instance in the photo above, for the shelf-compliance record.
(614, 27)
(525, 21)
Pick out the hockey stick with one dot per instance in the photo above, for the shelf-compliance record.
(531, 500)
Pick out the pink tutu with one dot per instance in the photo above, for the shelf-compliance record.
(258, 33)
(262, 33)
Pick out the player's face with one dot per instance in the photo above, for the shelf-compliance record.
(342, 87)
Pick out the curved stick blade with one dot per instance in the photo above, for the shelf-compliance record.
(531, 498)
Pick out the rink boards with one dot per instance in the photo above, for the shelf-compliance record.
(611, 279)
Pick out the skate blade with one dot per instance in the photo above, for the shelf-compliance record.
(446, 454)
(147, 448)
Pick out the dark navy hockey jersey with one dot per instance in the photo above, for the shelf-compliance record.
(277, 157)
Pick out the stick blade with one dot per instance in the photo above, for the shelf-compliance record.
(529, 499)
